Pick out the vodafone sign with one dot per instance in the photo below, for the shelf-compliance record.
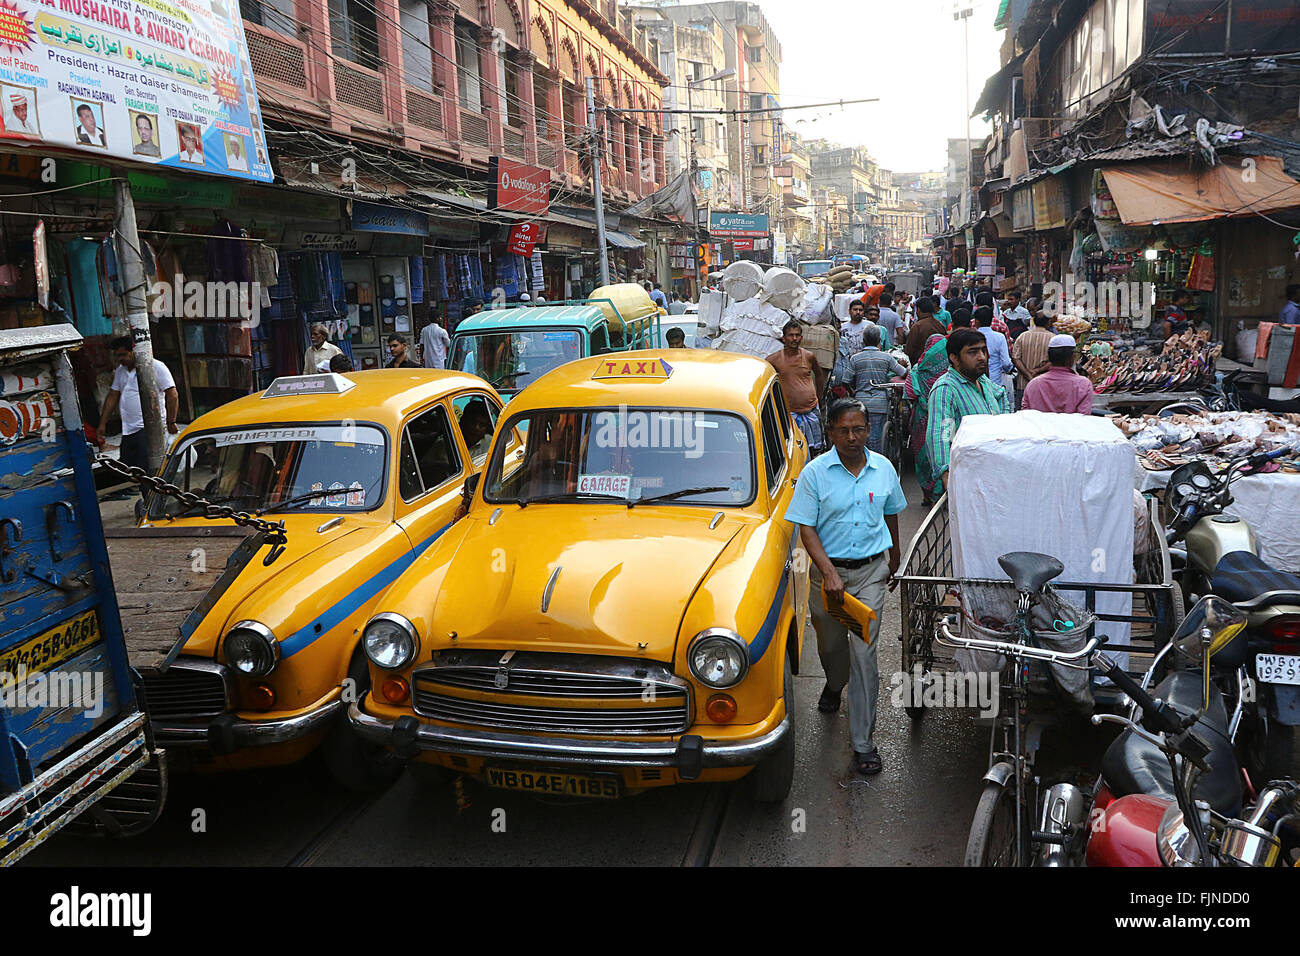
(518, 187)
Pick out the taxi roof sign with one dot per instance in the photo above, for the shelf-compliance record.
(646, 369)
(326, 383)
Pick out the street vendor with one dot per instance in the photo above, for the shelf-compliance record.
(965, 389)
(1176, 321)
(846, 505)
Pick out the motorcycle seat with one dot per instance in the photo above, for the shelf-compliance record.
(1241, 577)
(1029, 570)
(1133, 765)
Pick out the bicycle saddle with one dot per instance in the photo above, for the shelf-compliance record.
(1029, 570)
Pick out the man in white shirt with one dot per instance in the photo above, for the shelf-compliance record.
(317, 358)
(17, 118)
(87, 130)
(191, 151)
(124, 397)
(434, 342)
(235, 158)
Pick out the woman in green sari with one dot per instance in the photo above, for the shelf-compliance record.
(924, 374)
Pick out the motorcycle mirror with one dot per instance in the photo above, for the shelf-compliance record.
(1208, 628)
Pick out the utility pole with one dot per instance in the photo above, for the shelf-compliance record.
(964, 16)
(595, 179)
(137, 316)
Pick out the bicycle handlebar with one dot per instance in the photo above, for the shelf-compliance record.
(1021, 650)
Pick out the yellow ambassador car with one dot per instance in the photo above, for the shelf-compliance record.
(367, 471)
(621, 608)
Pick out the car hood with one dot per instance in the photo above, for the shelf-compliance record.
(291, 590)
(619, 579)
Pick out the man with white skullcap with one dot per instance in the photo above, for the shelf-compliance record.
(17, 121)
(1060, 388)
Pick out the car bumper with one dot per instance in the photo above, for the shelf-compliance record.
(230, 732)
(688, 754)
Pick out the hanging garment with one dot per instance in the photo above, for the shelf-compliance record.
(83, 279)
(214, 339)
(219, 373)
(194, 339)
(440, 277)
(416, 265)
(226, 255)
(197, 370)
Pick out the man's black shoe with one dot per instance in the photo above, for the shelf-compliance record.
(829, 702)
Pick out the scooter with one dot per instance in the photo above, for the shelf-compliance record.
(1221, 557)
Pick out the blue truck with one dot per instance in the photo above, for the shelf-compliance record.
(75, 741)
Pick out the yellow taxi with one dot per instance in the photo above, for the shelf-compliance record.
(366, 471)
(622, 607)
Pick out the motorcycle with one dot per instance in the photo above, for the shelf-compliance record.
(1220, 556)
(1171, 792)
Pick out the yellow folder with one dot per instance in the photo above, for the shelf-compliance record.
(852, 613)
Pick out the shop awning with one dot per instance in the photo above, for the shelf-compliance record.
(1149, 193)
(621, 240)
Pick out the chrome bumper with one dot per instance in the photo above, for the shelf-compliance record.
(689, 753)
(228, 733)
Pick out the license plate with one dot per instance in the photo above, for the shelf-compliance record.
(1278, 668)
(46, 651)
(600, 786)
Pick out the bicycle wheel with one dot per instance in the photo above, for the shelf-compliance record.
(992, 840)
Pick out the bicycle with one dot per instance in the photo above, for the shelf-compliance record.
(1001, 833)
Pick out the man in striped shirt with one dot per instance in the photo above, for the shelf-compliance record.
(965, 389)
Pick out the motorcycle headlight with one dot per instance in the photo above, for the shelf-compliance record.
(718, 657)
(390, 641)
(251, 649)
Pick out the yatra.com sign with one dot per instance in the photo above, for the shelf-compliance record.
(518, 187)
(738, 224)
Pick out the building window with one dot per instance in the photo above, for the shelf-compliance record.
(758, 154)
(417, 45)
(354, 33)
(275, 15)
(468, 75)
(754, 54)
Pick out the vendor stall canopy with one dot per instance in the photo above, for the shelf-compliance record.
(1150, 193)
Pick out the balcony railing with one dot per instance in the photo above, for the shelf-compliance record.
(424, 110)
(277, 58)
(358, 88)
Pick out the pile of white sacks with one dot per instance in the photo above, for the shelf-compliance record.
(759, 304)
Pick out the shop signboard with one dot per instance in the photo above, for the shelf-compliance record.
(742, 245)
(373, 217)
(986, 260)
(1022, 209)
(165, 83)
(87, 179)
(738, 224)
(523, 236)
(518, 187)
(308, 240)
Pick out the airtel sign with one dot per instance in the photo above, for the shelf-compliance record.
(518, 187)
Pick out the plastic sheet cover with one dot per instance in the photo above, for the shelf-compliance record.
(1058, 484)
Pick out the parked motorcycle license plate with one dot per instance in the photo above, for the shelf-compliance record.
(1278, 668)
(600, 786)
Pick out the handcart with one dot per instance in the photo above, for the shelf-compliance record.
(1039, 679)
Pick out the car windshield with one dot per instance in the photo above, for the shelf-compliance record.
(626, 454)
(512, 359)
(278, 468)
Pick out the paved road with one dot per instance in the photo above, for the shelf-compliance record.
(915, 813)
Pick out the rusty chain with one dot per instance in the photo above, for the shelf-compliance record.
(274, 530)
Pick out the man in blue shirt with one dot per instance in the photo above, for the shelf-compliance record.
(846, 504)
(999, 354)
(656, 295)
(1290, 314)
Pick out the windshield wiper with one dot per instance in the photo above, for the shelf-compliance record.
(305, 496)
(524, 500)
(669, 496)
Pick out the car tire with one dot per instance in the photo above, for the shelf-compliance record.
(353, 762)
(772, 779)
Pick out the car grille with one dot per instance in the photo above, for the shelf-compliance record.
(561, 693)
(186, 692)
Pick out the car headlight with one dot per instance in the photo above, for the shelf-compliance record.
(251, 649)
(390, 641)
(718, 657)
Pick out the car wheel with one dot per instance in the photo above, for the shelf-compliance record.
(352, 761)
(771, 780)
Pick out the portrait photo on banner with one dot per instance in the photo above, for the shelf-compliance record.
(88, 123)
(18, 110)
(144, 135)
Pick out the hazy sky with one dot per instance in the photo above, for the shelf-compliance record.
(834, 49)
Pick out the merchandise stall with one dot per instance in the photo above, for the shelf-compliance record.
(1269, 501)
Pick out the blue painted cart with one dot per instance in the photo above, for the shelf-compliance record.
(74, 738)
